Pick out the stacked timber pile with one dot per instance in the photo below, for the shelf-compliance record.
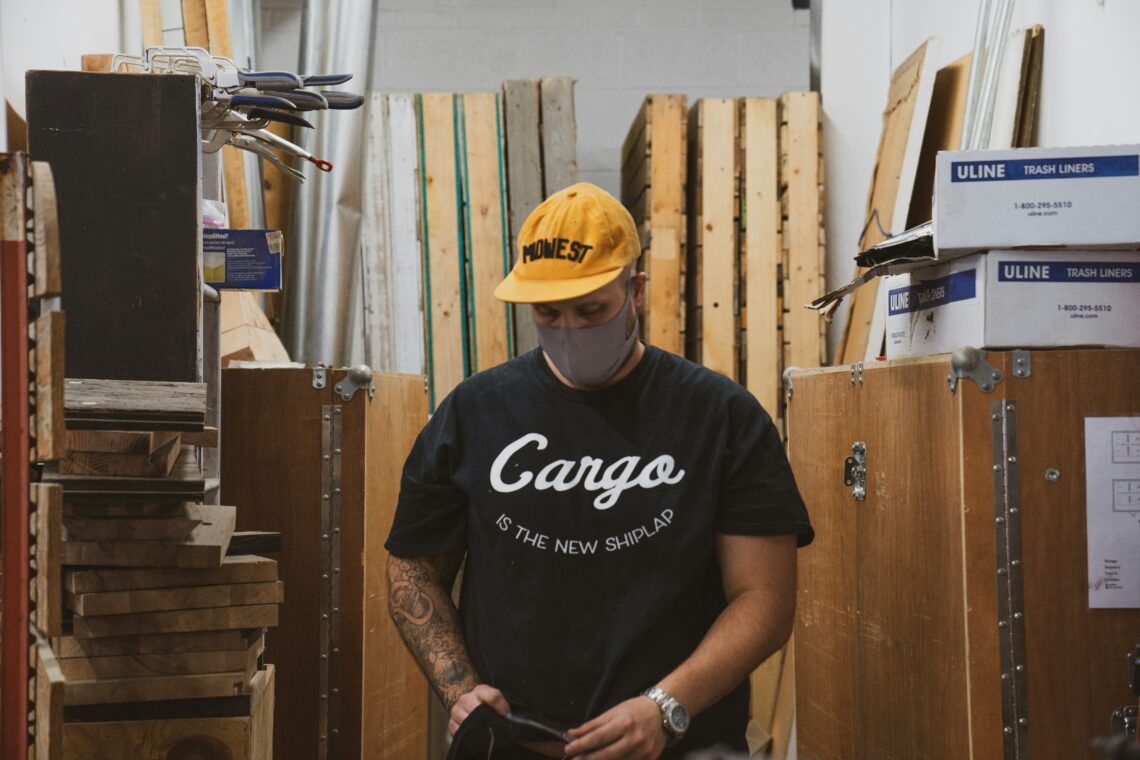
(727, 196)
(479, 164)
(161, 601)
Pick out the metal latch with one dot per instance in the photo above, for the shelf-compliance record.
(1022, 364)
(855, 471)
(358, 377)
(320, 378)
(970, 363)
(788, 381)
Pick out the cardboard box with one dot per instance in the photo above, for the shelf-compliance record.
(242, 259)
(1015, 299)
(1081, 197)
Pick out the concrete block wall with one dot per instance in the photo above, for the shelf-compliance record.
(618, 50)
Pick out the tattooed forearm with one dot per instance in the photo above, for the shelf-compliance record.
(419, 602)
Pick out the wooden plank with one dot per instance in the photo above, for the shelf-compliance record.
(176, 621)
(486, 229)
(234, 569)
(178, 526)
(195, 28)
(51, 436)
(48, 500)
(100, 62)
(196, 686)
(89, 400)
(184, 598)
(559, 134)
(943, 132)
(255, 542)
(717, 234)
(204, 549)
(120, 286)
(892, 184)
(118, 441)
(184, 483)
(1030, 99)
(235, 737)
(67, 647)
(49, 699)
(156, 465)
(170, 664)
(46, 267)
(801, 159)
(663, 261)
(128, 509)
(443, 259)
(760, 230)
(391, 684)
(207, 438)
(151, 17)
(522, 109)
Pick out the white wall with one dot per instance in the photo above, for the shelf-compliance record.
(618, 50)
(55, 34)
(1088, 92)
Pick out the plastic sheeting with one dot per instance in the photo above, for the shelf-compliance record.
(322, 319)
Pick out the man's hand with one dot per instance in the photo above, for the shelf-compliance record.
(631, 730)
(466, 704)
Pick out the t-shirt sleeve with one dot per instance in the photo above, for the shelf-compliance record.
(758, 493)
(431, 514)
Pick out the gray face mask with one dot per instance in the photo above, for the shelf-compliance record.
(589, 356)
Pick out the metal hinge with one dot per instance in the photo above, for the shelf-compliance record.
(1022, 364)
(320, 378)
(970, 363)
(1011, 599)
(855, 471)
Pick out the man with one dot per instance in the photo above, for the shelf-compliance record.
(629, 518)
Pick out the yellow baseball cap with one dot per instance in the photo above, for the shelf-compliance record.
(576, 241)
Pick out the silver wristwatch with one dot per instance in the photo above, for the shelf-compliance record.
(674, 716)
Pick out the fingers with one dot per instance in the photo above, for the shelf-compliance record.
(466, 704)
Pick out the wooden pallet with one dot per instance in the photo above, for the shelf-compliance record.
(485, 229)
(801, 192)
(653, 179)
(712, 304)
(761, 263)
(444, 280)
(522, 110)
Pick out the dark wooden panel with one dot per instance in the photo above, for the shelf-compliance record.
(271, 433)
(123, 151)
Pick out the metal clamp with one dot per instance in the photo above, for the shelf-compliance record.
(358, 377)
(320, 378)
(970, 363)
(855, 471)
(1022, 364)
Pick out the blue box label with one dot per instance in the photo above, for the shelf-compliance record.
(1067, 271)
(242, 259)
(1044, 168)
(960, 286)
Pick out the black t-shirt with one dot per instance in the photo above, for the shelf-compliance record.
(589, 518)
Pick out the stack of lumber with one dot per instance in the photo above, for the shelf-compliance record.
(159, 602)
(728, 201)
(479, 163)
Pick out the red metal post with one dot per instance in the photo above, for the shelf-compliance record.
(14, 524)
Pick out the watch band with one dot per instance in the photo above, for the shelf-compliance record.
(669, 707)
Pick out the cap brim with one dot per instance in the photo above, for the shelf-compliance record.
(514, 289)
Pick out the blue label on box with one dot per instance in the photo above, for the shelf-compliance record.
(1067, 271)
(242, 259)
(959, 286)
(1044, 168)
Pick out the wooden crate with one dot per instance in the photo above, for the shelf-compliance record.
(289, 444)
(904, 648)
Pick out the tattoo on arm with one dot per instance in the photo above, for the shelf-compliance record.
(419, 601)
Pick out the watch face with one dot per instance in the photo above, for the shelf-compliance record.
(679, 718)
